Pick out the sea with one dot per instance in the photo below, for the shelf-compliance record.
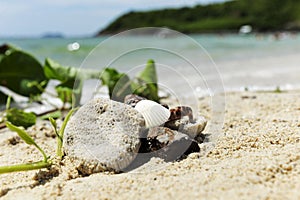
(197, 64)
(189, 67)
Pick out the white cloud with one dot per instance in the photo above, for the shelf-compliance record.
(8, 8)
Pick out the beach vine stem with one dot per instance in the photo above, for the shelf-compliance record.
(25, 167)
(46, 162)
(60, 133)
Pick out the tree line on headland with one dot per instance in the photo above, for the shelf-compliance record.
(262, 15)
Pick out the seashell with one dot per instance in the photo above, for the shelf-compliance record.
(153, 113)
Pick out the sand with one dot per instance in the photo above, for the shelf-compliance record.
(258, 157)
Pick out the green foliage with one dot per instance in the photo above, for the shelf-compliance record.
(24, 167)
(148, 75)
(30, 141)
(269, 15)
(27, 166)
(32, 82)
(71, 80)
(212, 24)
(34, 78)
(32, 72)
(6, 49)
(263, 15)
(25, 136)
(20, 118)
(119, 84)
(277, 90)
(3, 98)
(67, 77)
(60, 133)
(55, 115)
(54, 70)
(65, 92)
(146, 85)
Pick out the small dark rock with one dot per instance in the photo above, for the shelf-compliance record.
(180, 111)
(248, 97)
(162, 135)
(201, 138)
(4, 191)
(14, 140)
(168, 144)
(133, 99)
(45, 175)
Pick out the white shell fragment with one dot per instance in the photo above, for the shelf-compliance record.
(194, 129)
(153, 113)
(183, 125)
(103, 135)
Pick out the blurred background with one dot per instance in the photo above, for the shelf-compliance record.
(255, 44)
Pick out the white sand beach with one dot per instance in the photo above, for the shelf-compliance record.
(257, 158)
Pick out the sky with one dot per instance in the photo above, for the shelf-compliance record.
(30, 18)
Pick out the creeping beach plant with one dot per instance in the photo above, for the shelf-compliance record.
(46, 162)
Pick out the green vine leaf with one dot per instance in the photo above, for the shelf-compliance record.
(146, 84)
(55, 114)
(118, 84)
(54, 124)
(54, 70)
(18, 61)
(21, 133)
(20, 118)
(24, 136)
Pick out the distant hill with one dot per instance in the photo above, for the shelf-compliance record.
(53, 35)
(262, 15)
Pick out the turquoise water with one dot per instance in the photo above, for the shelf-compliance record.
(56, 48)
(219, 47)
(241, 60)
(188, 67)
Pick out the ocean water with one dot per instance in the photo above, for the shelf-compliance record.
(188, 67)
(220, 47)
(202, 64)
